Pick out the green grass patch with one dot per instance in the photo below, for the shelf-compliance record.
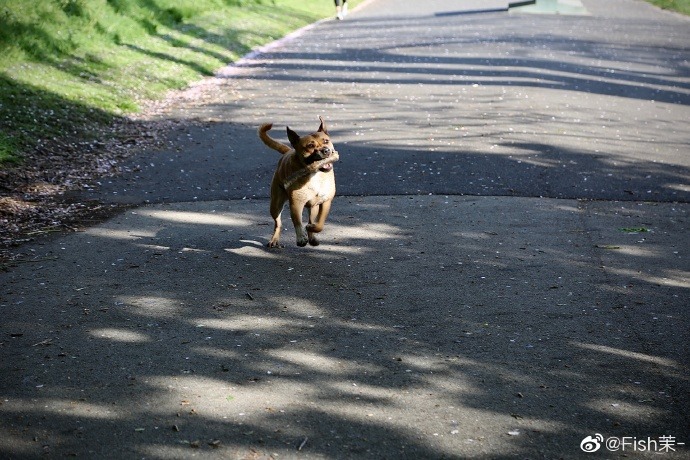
(66, 65)
(8, 150)
(634, 230)
(680, 6)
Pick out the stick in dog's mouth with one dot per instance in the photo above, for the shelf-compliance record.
(324, 165)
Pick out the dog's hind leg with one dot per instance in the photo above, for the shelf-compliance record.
(276, 210)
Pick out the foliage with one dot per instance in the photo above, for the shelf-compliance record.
(66, 65)
(681, 6)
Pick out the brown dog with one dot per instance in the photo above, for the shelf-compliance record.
(305, 178)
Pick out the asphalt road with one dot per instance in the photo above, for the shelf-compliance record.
(494, 104)
(504, 273)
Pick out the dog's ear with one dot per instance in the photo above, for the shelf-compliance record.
(322, 127)
(293, 137)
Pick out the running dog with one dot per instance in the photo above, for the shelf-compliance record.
(305, 178)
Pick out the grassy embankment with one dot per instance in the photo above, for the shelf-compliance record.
(681, 6)
(68, 67)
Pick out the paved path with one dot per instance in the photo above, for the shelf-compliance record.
(504, 273)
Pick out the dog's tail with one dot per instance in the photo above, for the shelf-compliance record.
(268, 140)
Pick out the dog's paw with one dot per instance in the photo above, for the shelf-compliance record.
(313, 240)
(274, 244)
(302, 238)
(313, 228)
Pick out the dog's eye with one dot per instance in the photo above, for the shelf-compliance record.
(311, 145)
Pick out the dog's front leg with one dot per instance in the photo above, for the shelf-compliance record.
(313, 216)
(296, 215)
(318, 220)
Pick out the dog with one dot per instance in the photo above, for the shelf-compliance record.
(305, 178)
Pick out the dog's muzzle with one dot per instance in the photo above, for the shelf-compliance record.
(325, 153)
(320, 154)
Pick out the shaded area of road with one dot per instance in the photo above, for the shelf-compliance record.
(424, 327)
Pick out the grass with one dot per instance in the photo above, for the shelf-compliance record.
(681, 6)
(8, 150)
(69, 66)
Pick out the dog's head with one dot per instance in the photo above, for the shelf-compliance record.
(313, 147)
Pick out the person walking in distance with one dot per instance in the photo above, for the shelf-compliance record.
(340, 9)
